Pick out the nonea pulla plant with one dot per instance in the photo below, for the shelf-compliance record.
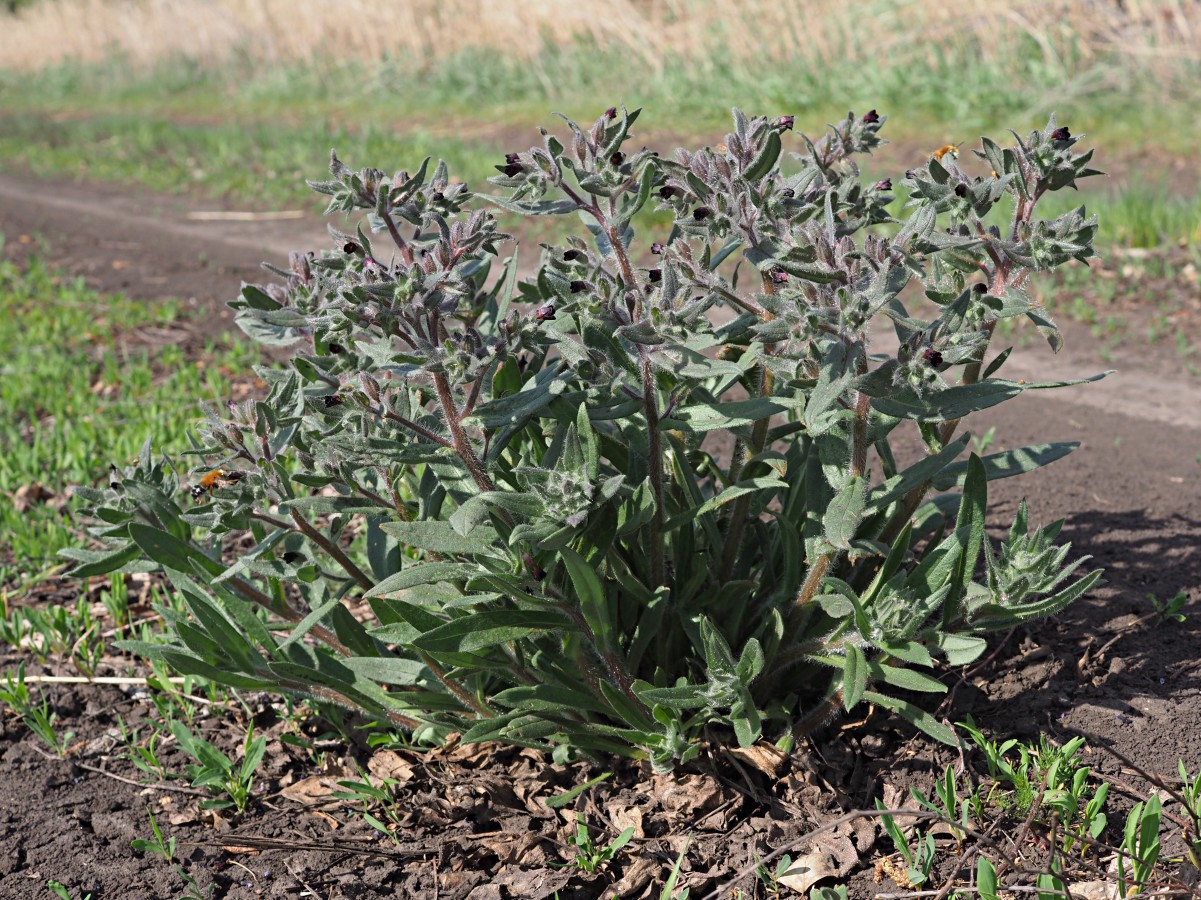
(644, 496)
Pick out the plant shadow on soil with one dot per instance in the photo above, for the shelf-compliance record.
(474, 824)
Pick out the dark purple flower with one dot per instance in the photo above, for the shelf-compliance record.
(667, 192)
(788, 193)
(332, 400)
(884, 184)
(542, 313)
(785, 123)
(617, 158)
(933, 357)
(512, 158)
(655, 275)
(980, 287)
(437, 196)
(961, 190)
(336, 347)
(701, 213)
(573, 255)
(871, 117)
(578, 286)
(779, 277)
(611, 112)
(512, 170)
(1061, 134)
(657, 248)
(351, 247)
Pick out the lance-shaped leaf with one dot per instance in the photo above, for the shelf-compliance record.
(845, 513)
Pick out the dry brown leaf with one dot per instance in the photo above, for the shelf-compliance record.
(30, 495)
(626, 816)
(765, 757)
(1096, 890)
(809, 869)
(311, 790)
(390, 764)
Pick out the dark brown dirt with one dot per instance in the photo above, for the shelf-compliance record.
(472, 819)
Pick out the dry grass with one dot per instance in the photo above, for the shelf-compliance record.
(1159, 37)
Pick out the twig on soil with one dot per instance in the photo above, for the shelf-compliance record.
(156, 785)
(266, 843)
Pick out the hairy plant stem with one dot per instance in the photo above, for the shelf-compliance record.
(406, 251)
(456, 690)
(320, 632)
(654, 440)
(738, 518)
(458, 437)
(820, 567)
(361, 578)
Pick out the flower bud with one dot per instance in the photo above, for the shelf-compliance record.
(785, 123)
(779, 277)
(871, 117)
(578, 286)
(657, 248)
(541, 314)
(370, 386)
(884, 184)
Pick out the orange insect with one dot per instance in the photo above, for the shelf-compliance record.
(210, 481)
(952, 149)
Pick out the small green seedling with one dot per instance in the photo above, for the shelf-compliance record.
(1169, 610)
(363, 791)
(38, 716)
(1140, 846)
(215, 769)
(590, 858)
(59, 890)
(160, 846)
(919, 861)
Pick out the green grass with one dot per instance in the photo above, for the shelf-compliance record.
(258, 164)
(78, 395)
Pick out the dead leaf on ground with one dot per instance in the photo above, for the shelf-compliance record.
(767, 758)
(312, 790)
(809, 869)
(625, 816)
(390, 764)
(1095, 890)
(30, 495)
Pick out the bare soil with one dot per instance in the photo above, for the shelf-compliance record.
(473, 822)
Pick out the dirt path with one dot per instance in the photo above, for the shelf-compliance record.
(1131, 496)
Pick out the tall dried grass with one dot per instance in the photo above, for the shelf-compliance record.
(1159, 37)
